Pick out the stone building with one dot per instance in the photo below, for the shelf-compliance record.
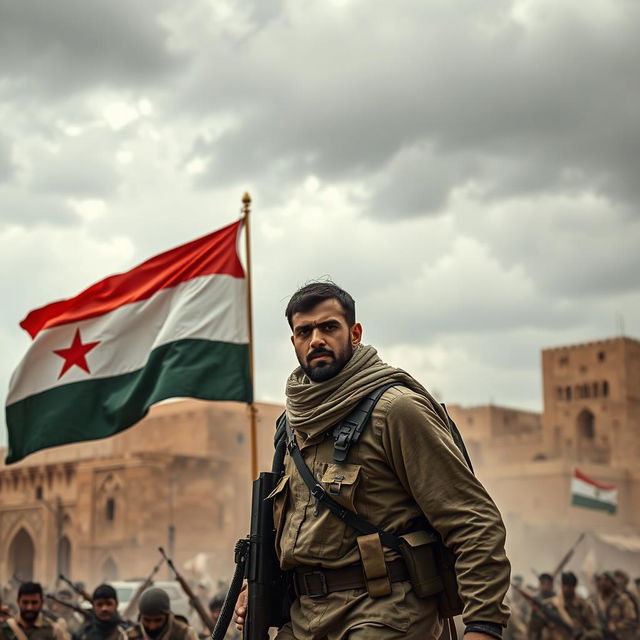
(181, 479)
(590, 420)
(99, 510)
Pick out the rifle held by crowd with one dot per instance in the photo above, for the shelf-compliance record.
(548, 613)
(193, 599)
(563, 563)
(133, 603)
(79, 590)
(86, 614)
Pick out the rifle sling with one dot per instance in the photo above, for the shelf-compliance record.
(361, 525)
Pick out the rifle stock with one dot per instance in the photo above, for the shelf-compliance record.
(193, 599)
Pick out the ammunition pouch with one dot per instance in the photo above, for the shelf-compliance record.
(431, 568)
(418, 553)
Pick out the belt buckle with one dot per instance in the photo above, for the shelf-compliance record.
(311, 592)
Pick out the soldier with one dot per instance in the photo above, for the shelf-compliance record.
(545, 587)
(30, 624)
(405, 476)
(614, 610)
(622, 580)
(570, 608)
(105, 622)
(156, 620)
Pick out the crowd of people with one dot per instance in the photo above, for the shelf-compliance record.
(607, 610)
(39, 616)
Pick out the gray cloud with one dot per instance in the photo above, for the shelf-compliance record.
(531, 107)
(54, 50)
(6, 162)
(82, 166)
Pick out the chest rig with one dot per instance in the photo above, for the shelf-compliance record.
(430, 564)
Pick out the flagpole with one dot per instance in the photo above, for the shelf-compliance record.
(253, 437)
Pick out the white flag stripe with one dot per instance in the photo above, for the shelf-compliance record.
(209, 307)
(581, 488)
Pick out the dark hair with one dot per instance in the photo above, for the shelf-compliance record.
(569, 578)
(545, 576)
(216, 603)
(307, 297)
(29, 588)
(105, 592)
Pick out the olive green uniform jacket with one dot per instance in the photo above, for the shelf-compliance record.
(174, 630)
(405, 467)
(42, 629)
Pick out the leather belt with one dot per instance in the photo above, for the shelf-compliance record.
(316, 582)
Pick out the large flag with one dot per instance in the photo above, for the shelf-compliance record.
(588, 493)
(174, 326)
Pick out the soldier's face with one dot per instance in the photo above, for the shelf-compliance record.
(153, 625)
(105, 608)
(30, 605)
(568, 591)
(323, 340)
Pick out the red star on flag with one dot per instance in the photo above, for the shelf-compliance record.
(75, 354)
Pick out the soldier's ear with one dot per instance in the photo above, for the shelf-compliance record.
(356, 334)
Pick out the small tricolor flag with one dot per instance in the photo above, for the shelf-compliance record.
(588, 493)
(174, 326)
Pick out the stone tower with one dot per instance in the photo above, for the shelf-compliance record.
(592, 402)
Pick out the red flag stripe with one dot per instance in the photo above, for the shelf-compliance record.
(583, 477)
(214, 253)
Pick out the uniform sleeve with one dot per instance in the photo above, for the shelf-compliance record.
(432, 470)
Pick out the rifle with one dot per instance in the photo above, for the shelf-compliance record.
(268, 603)
(79, 590)
(563, 563)
(193, 599)
(133, 603)
(83, 612)
(548, 613)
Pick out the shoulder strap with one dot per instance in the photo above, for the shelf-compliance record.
(17, 631)
(323, 498)
(349, 429)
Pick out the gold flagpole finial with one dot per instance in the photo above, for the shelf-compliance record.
(246, 203)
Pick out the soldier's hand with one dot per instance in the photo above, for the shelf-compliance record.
(241, 608)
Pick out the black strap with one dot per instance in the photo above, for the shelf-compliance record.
(349, 429)
(323, 498)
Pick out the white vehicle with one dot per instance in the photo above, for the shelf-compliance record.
(126, 589)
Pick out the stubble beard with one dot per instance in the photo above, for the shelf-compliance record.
(324, 371)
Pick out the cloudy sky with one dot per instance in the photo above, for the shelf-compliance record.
(468, 170)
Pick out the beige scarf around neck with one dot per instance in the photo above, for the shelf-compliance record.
(314, 407)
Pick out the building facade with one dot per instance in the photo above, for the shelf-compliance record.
(99, 510)
(180, 479)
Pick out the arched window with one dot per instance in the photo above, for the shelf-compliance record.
(21, 555)
(605, 389)
(594, 387)
(110, 510)
(109, 570)
(586, 425)
(568, 393)
(64, 554)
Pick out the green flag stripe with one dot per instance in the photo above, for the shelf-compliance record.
(592, 503)
(101, 407)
